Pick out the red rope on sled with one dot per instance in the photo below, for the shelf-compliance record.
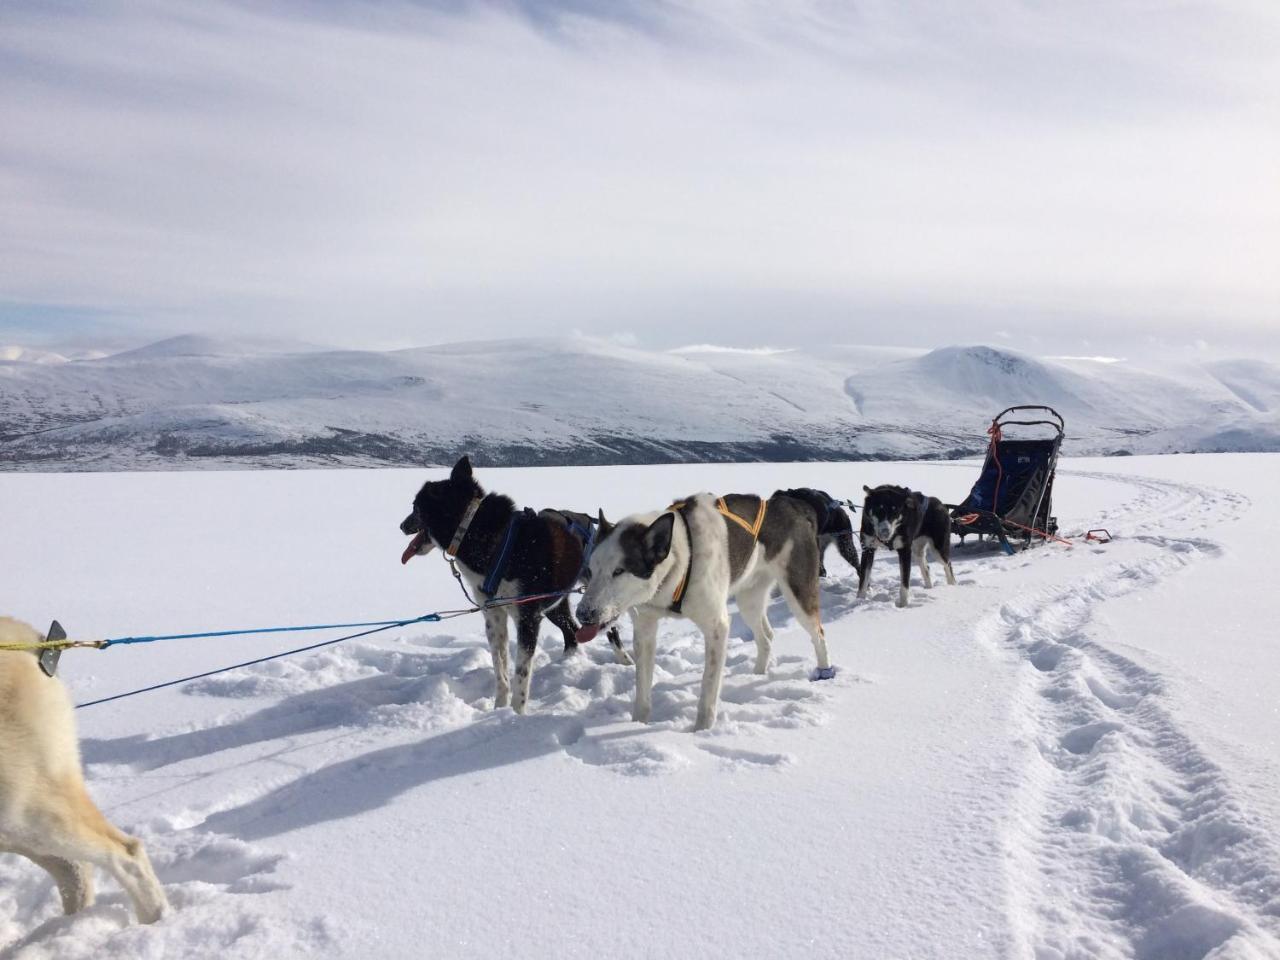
(994, 433)
(1042, 533)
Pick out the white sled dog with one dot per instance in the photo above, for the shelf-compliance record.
(688, 561)
(45, 812)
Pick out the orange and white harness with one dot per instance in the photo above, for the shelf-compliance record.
(677, 598)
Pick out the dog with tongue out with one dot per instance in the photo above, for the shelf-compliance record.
(503, 553)
(688, 561)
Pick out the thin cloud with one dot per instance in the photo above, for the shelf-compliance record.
(718, 348)
(364, 173)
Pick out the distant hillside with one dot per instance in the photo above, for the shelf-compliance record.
(196, 402)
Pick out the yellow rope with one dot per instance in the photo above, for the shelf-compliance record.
(53, 645)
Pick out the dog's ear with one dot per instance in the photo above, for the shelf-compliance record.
(461, 469)
(657, 539)
(606, 527)
(866, 488)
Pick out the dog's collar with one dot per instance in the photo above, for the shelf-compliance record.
(463, 526)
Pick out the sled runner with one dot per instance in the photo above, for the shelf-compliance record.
(1013, 496)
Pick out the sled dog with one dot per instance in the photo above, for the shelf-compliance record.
(834, 526)
(687, 561)
(584, 529)
(46, 814)
(909, 522)
(503, 552)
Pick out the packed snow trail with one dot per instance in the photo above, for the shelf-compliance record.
(1125, 839)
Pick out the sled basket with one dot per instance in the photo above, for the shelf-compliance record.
(1013, 496)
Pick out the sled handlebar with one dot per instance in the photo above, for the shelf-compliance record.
(1057, 422)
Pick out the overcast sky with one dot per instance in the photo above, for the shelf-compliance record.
(1099, 176)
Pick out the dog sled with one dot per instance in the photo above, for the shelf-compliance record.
(1013, 497)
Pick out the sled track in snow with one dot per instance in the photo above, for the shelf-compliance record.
(1125, 840)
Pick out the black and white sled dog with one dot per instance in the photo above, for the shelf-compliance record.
(687, 561)
(504, 552)
(46, 814)
(834, 526)
(909, 522)
(584, 529)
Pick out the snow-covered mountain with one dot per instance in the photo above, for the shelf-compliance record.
(18, 354)
(199, 401)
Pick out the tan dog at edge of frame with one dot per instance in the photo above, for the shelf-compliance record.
(46, 814)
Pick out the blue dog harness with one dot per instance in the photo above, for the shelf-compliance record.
(498, 572)
(587, 537)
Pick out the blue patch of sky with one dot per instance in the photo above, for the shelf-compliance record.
(42, 323)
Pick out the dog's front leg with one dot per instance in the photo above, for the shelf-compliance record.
(864, 570)
(495, 628)
(562, 619)
(619, 655)
(526, 647)
(715, 640)
(644, 640)
(904, 568)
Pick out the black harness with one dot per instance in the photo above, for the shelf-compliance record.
(677, 599)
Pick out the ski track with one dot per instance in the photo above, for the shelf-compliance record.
(1123, 839)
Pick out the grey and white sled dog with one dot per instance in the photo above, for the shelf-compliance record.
(687, 561)
(46, 814)
(909, 522)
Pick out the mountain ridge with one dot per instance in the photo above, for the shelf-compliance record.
(200, 402)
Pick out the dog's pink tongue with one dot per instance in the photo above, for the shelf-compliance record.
(587, 632)
(412, 549)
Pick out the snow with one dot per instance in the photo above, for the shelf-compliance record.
(1073, 753)
(198, 402)
(16, 354)
(202, 345)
